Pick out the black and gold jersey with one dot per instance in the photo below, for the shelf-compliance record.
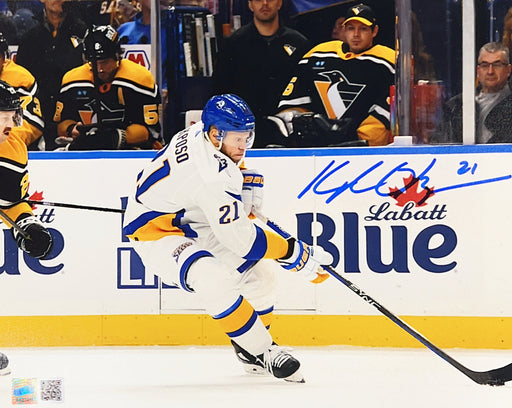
(131, 102)
(25, 84)
(14, 176)
(344, 85)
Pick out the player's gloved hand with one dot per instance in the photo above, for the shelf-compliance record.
(94, 138)
(252, 191)
(38, 241)
(306, 260)
(284, 121)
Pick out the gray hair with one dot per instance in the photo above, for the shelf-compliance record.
(493, 47)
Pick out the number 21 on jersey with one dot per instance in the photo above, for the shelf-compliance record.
(229, 213)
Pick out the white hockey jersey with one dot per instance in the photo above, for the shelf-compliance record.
(192, 189)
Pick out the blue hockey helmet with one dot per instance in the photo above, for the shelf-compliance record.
(228, 112)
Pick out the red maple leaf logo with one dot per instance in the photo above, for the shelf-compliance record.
(37, 196)
(411, 193)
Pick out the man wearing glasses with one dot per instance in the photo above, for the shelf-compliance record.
(493, 100)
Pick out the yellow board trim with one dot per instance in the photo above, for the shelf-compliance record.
(293, 330)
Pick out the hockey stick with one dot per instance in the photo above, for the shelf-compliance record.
(76, 206)
(492, 377)
(14, 225)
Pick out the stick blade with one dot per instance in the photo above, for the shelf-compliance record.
(496, 377)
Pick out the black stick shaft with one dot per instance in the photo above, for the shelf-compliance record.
(492, 377)
(13, 224)
(76, 206)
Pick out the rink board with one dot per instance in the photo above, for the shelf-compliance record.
(437, 251)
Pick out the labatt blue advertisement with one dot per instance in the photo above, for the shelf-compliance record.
(425, 227)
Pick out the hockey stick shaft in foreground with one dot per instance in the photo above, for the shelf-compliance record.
(14, 225)
(492, 377)
(76, 206)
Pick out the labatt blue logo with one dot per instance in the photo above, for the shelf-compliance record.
(431, 247)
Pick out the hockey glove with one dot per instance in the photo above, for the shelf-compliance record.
(37, 241)
(252, 191)
(306, 260)
(93, 138)
(284, 121)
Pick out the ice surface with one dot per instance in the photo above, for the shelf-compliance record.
(183, 377)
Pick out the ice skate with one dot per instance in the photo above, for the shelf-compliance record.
(251, 364)
(4, 365)
(281, 364)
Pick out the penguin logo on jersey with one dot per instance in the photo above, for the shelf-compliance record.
(337, 93)
(289, 49)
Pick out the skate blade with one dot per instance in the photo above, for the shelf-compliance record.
(296, 377)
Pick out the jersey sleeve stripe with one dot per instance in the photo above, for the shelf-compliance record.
(152, 92)
(378, 61)
(267, 245)
(246, 265)
(154, 225)
(235, 196)
(78, 84)
(153, 178)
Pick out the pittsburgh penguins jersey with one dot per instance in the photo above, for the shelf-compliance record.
(131, 102)
(14, 176)
(192, 189)
(344, 85)
(25, 84)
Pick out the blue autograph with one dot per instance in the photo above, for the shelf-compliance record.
(356, 185)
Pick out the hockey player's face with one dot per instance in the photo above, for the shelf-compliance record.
(234, 145)
(265, 10)
(359, 36)
(6, 124)
(492, 71)
(106, 69)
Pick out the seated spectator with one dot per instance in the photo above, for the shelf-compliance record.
(48, 51)
(338, 31)
(343, 87)
(108, 103)
(25, 84)
(493, 101)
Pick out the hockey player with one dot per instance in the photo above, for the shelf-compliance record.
(108, 103)
(25, 84)
(345, 82)
(187, 222)
(30, 235)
